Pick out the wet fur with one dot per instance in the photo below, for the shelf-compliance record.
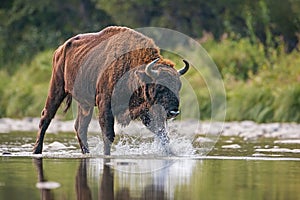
(107, 53)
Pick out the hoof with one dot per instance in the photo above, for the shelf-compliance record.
(107, 149)
(168, 151)
(85, 150)
(164, 139)
(107, 146)
(37, 150)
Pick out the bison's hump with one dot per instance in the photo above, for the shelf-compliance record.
(88, 56)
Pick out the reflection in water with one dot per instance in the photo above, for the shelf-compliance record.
(129, 184)
(115, 183)
(124, 188)
(134, 179)
(46, 193)
(107, 182)
(82, 189)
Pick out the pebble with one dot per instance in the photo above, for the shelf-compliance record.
(27, 146)
(47, 185)
(58, 146)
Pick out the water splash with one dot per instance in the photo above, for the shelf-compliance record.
(134, 145)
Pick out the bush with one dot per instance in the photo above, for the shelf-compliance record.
(250, 103)
(287, 104)
(273, 94)
(26, 91)
(237, 59)
(4, 79)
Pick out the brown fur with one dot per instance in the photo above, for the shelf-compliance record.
(87, 68)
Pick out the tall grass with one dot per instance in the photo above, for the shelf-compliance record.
(26, 90)
(236, 59)
(269, 92)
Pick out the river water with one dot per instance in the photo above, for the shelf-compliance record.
(234, 169)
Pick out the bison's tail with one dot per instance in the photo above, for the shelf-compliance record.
(68, 102)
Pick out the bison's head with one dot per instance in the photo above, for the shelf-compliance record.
(165, 88)
(149, 92)
(157, 99)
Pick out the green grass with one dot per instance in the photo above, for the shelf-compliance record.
(258, 87)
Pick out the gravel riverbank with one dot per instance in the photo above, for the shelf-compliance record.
(245, 129)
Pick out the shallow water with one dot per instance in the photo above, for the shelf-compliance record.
(234, 169)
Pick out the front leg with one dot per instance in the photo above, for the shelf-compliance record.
(106, 121)
(161, 134)
(159, 130)
(156, 121)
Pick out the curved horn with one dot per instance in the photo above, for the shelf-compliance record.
(185, 69)
(151, 72)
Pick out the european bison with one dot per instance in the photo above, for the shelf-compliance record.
(121, 72)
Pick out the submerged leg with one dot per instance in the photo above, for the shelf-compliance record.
(84, 116)
(156, 121)
(164, 141)
(161, 134)
(52, 104)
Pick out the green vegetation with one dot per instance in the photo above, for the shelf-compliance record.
(26, 91)
(256, 49)
(259, 86)
(269, 93)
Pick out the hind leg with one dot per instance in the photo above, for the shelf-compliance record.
(84, 116)
(52, 104)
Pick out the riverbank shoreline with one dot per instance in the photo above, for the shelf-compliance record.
(245, 129)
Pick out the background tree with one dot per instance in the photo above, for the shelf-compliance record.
(27, 28)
